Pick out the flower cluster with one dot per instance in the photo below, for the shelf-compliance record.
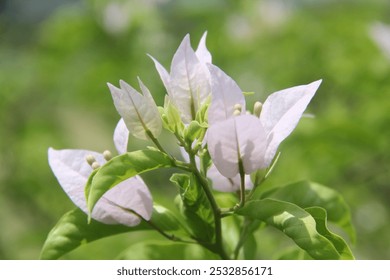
(206, 110)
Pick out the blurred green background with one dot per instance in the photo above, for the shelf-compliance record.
(57, 56)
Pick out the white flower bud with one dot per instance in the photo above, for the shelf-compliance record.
(257, 108)
(90, 159)
(95, 165)
(236, 113)
(107, 155)
(238, 107)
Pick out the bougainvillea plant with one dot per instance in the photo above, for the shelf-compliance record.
(228, 151)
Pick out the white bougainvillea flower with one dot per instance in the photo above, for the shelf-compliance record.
(235, 138)
(72, 171)
(188, 83)
(139, 111)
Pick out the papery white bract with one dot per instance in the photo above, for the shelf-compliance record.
(188, 83)
(139, 111)
(226, 94)
(224, 184)
(281, 113)
(240, 138)
(247, 139)
(121, 137)
(72, 171)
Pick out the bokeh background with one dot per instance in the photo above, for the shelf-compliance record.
(57, 56)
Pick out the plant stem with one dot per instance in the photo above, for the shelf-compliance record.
(218, 246)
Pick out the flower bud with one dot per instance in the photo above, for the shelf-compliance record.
(238, 107)
(95, 165)
(257, 108)
(237, 112)
(107, 155)
(90, 159)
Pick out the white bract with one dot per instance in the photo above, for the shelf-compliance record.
(139, 111)
(72, 171)
(188, 83)
(236, 138)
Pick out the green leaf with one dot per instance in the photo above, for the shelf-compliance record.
(202, 114)
(192, 131)
(165, 250)
(297, 224)
(171, 117)
(195, 207)
(121, 168)
(73, 230)
(293, 253)
(309, 194)
(320, 215)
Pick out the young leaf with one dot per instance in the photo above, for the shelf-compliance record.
(308, 194)
(163, 250)
(120, 168)
(73, 230)
(297, 224)
(195, 207)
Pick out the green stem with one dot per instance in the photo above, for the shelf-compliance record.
(218, 246)
(242, 185)
(243, 237)
(155, 141)
(159, 230)
(258, 182)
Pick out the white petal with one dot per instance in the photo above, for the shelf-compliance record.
(131, 194)
(121, 137)
(223, 147)
(72, 171)
(190, 84)
(252, 142)
(225, 95)
(164, 75)
(238, 137)
(202, 52)
(138, 111)
(223, 184)
(281, 113)
(151, 115)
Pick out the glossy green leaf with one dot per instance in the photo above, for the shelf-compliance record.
(320, 216)
(121, 168)
(195, 207)
(309, 194)
(73, 230)
(166, 250)
(297, 224)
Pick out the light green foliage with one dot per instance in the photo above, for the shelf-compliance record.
(309, 194)
(163, 250)
(73, 230)
(195, 207)
(307, 232)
